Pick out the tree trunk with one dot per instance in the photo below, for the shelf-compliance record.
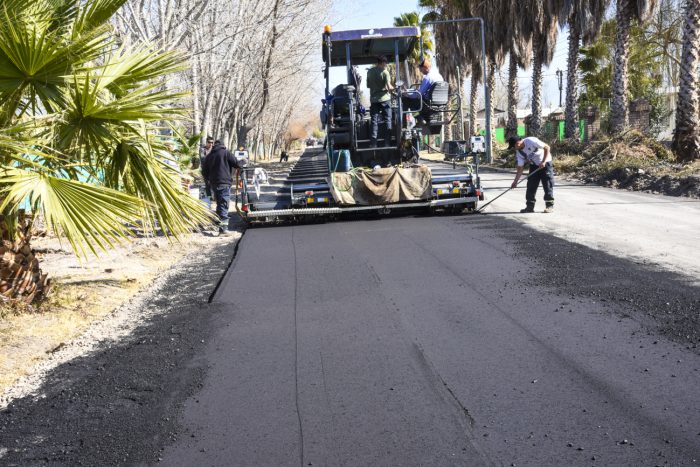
(618, 112)
(449, 135)
(536, 116)
(571, 125)
(21, 278)
(473, 102)
(242, 135)
(206, 118)
(197, 114)
(686, 138)
(448, 132)
(492, 104)
(512, 124)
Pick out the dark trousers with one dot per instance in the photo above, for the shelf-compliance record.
(546, 178)
(222, 195)
(376, 111)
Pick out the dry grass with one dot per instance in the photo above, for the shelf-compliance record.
(629, 160)
(685, 170)
(567, 163)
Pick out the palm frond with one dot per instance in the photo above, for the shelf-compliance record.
(94, 14)
(36, 61)
(88, 216)
(76, 108)
(127, 69)
(96, 119)
(136, 169)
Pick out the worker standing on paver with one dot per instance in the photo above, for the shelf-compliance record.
(537, 153)
(379, 84)
(217, 170)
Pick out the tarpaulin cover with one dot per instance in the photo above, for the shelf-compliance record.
(368, 187)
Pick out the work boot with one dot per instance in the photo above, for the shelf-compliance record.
(528, 209)
(548, 209)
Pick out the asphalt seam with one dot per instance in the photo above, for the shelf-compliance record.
(228, 266)
(296, 355)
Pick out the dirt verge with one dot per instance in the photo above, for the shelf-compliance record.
(115, 382)
(88, 293)
(631, 161)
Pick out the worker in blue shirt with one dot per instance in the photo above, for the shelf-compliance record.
(430, 76)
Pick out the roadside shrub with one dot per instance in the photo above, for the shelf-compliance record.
(567, 163)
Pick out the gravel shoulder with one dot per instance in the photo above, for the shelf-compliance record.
(108, 390)
(85, 292)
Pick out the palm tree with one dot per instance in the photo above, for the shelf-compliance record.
(545, 27)
(520, 56)
(686, 139)
(80, 135)
(414, 19)
(627, 10)
(476, 78)
(498, 22)
(585, 19)
(450, 45)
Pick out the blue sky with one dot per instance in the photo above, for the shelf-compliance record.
(363, 14)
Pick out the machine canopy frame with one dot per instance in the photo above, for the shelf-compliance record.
(366, 44)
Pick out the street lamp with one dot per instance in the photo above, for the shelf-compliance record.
(560, 77)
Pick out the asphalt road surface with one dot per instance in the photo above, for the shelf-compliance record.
(647, 228)
(440, 341)
(495, 339)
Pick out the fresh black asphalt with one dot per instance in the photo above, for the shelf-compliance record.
(467, 340)
(437, 341)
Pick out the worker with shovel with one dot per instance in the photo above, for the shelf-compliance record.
(538, 155)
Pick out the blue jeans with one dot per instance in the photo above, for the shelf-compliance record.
(222, 195)
(376, 110)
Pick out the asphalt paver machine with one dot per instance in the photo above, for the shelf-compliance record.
(351, 174)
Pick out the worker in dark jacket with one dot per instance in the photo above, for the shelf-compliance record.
(217, 170)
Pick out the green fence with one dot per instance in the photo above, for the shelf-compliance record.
(500, 133)
(436, 139)
(552, 131)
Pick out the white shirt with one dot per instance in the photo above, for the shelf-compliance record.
(431, 78)
(533, 152)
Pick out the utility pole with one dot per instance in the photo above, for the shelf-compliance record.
(560, 77)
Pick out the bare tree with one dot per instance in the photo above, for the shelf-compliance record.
(250, 60)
